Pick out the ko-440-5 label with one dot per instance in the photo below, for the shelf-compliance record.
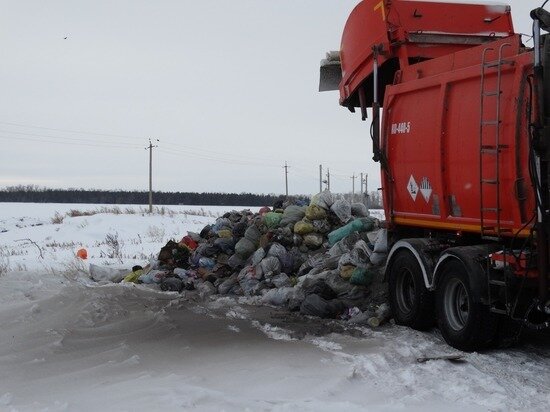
(401, 128)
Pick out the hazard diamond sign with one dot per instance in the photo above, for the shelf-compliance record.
(412, 187)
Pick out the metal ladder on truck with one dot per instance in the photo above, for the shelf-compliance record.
(490, 149)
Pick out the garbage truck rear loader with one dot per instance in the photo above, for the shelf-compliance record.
(463, 146)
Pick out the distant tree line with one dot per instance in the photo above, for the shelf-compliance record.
(36, 194)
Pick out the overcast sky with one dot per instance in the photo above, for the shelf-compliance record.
(228, 87)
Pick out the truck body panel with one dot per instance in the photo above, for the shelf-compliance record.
(431, 135)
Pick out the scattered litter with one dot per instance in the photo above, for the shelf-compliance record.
(455, 358)
(82, 254)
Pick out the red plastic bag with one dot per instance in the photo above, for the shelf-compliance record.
(189, 242)
(82, 254)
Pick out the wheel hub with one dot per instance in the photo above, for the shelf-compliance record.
(456, 304)
(405, 290)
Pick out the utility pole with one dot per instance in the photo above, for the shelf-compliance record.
(320, 178)
(286, 178)
(367, 189)
(362, 193)
(150, 148)
(328, 179)
(353, 187)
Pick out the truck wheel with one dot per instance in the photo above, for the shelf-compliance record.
(412, 304)
(464, 323)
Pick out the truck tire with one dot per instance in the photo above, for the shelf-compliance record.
(465, 323)
(411, 303)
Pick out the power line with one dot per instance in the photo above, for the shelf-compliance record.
(73, 131)
(187, 148)
(119, 136)
(179, 153)
(66, 138)
(114, 146)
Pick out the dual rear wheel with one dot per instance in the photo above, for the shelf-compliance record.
(464, 321)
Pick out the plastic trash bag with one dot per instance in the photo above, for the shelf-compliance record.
(253, 234)
(359, 210)
(313, 240)
(281, 280)
(134, 276)
(189, 242)
(323, 199)
(360, 254)
(293, 214)
(342, 209)
(346, 260)
(338, 249)
(378, 259)
(153, 276)
(278, 297)
(284, 236)
(239, 229)
(272, 219)
(337, 284)
(303, 228)
(221, 223)
(172, 285)
(249, 280)
(279, 251)
(194, 236)
(315, 212)
(315, 305)
(381, 244)
(361, 318)
(205, 289)
(206, 232)
(207, 250)
(263, 210)
(316, 285)
(257, 256)
(228, 284)
(358, 225)
(236, 262)
(321, 226)
(244, 248)
(362, 277)
(286, 258)
(311, 262)
(183, 274)
(206, 263)
(271, 264)
(346, 271)
(225, 245)
(102, 273)
(224, 233)
(154, 263)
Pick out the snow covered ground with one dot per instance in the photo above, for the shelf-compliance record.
(68, 344)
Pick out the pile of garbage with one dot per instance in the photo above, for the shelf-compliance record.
(325, 259)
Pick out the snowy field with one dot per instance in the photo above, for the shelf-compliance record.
(69, 344)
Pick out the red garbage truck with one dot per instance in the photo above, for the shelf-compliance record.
(460, 124)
